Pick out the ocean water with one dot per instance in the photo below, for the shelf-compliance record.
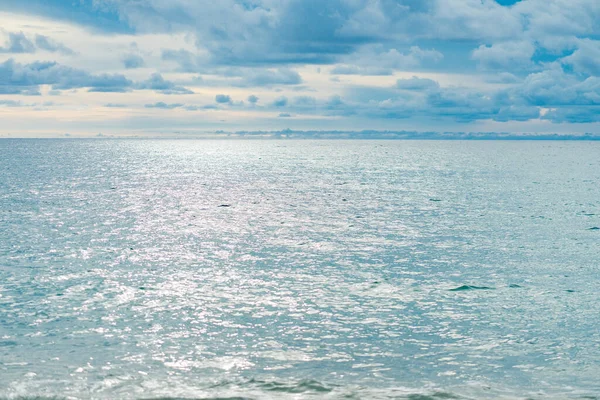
(146, 269)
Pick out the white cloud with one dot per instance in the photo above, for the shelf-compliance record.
(505, 56)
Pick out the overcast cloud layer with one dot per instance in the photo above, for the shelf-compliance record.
(164, 66)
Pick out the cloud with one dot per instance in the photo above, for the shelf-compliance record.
(305, 101)
(16, 78)
(10, 103)
(502, 77)
(205, 107)
(94, 15)
(131, 61)
(417, 84)
(335, 106)
(566, 97)
(505, 60)
(516, 113)
(267, 32)
(378, 60)
(586, 59)
(186, 60)
(17, 43)
(357, 70)
(415, 57)
(280, 102)
(36, 106)
(506, 55)
(247, 76)
(552, 18)
(48, 44)
(222, 99)
(573, 115)
(555, 88)
(164, 106)
(270, 77)
(158, 83)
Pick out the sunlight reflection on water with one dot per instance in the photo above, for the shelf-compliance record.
(141, 269)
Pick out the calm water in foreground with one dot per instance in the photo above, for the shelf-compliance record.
(299, 269)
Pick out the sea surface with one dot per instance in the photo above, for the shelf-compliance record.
(276, 269)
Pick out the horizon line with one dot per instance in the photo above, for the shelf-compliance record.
(288, 134)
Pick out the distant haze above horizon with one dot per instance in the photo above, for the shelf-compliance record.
(163, 67)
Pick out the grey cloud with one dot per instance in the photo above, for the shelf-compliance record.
(553, 18)
(586, 59)
(269, 32)
(418, 84)
(163, 105)
(206, 107)
(280, 76)
(100, 83)
(25, 79)
(541, 54)
(36, 106)
(334, 102)
(239, 76)
(378, 60)
(51, 45)
(306, 102)
(280, 102)
(573, 115)
(564, 97)
(516, 113)
(131, 61)
(25, 91)
(506, 55)
(10, 103)
(17, 78)
(357, 70)
(158, 83)
(17, 43)
(554, 88)
(222, 99)
(502, 77)
(187, 61)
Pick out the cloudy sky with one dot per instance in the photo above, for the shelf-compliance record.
(161, 66)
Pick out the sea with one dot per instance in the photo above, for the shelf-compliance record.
(299, 269)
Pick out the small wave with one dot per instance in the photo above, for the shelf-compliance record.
(434, 396)
(32, 398)
(471, 287)
(200, 398)
(300, 387)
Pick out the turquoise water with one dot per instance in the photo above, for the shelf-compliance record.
(143, 269)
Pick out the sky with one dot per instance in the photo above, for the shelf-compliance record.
(148, 67)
